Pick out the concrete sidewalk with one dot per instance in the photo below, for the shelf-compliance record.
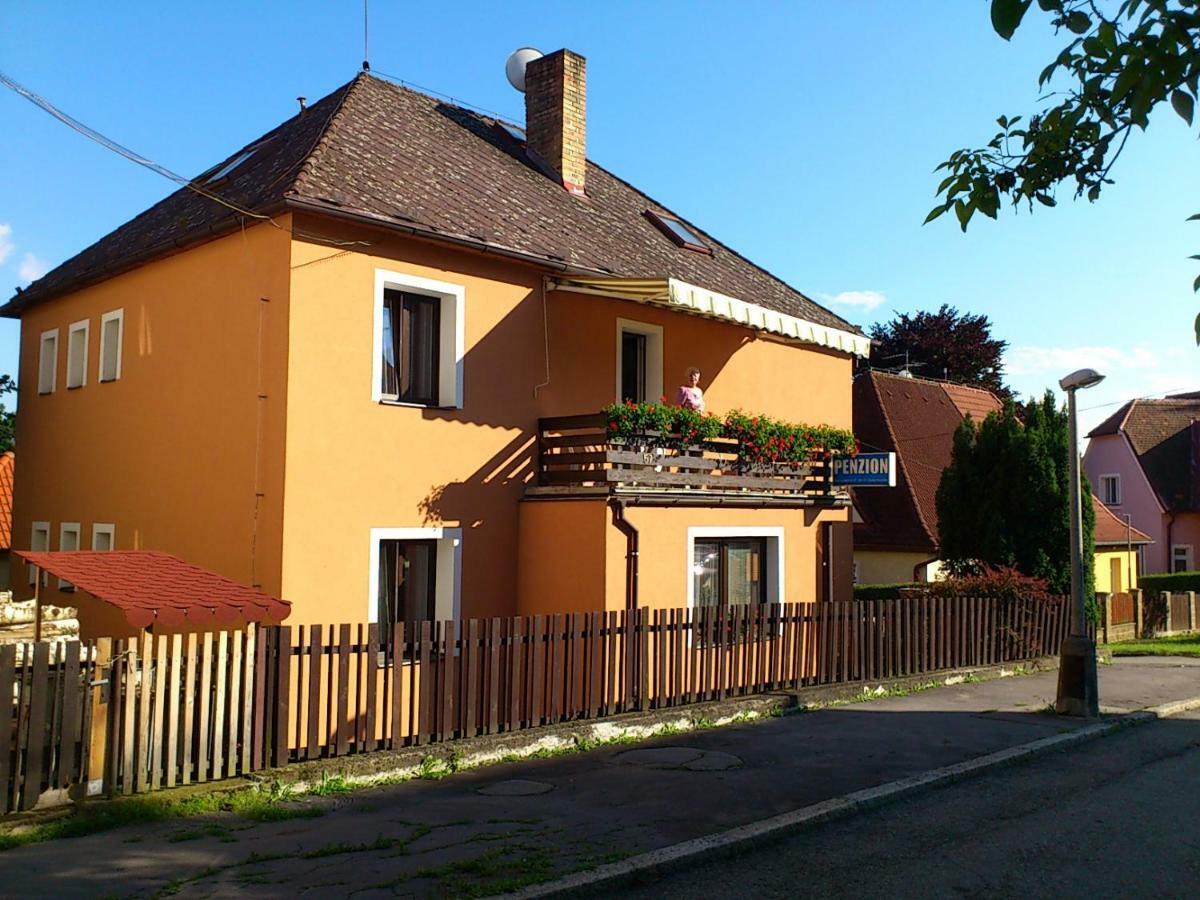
(504, 826)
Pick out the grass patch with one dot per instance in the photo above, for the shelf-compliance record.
(258, 804)
(498, 871)
(1176, 645)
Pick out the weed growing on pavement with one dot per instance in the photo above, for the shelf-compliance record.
(331, 785)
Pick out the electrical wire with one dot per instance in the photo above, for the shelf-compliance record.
(432, 92)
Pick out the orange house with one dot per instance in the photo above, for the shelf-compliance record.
(330, 368)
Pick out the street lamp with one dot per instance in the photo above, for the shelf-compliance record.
(1078, 692)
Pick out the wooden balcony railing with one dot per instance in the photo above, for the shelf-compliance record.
(575, 454)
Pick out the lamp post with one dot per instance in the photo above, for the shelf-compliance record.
(1078, 692)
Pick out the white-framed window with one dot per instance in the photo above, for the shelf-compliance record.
(415, 576)
(48, 361)
(39, 539)
(68, 539)
(77, 353)
(112, 337)
(419, 341)
(734, 565)
(1181, 558)
(639, 361)
(104, 536)
(1110, 490)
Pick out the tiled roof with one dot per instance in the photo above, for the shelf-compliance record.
(381, 152)
(157, 588)
(916, 419)
(1110, 530)
(8, 461)
(1160, 432)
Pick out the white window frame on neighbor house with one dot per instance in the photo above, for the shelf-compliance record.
(78, 337)
(63, 530)
(451, 333)
(1187, 557)
(448, 574)
(1114, 480)
(775, 553)
(41, 529)
(104, 528)
(48, 375)
(114, 319)
(654, 357)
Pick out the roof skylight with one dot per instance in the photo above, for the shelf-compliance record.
(225, 170)
(678, 232)
(513, 131)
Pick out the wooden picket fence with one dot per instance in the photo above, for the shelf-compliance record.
(180, 709)
(45, 719)
(332, 691)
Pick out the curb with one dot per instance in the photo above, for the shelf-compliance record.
(743, 837)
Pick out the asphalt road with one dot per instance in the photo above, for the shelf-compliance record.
(1117, 817)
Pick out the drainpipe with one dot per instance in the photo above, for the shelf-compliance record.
(631, 552)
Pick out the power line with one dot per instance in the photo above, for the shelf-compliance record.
(432, 92)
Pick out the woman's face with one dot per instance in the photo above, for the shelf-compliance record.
(694, 378)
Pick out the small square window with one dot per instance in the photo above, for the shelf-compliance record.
(103, 536)
(112, 333)
(1110, 490)
(38, 540)
(77, 352)
(48, 362)
(679, 232)
(68, 540)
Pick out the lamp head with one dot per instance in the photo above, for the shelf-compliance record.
(1083, 378)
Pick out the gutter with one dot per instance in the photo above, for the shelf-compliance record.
(631, 551)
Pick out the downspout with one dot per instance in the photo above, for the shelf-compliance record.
(631, 552)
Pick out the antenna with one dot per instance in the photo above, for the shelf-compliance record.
(366, 54)
(514, 67)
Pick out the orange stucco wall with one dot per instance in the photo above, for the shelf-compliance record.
(563, 557)
(177, 451)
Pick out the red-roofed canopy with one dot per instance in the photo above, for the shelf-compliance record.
(154, 588)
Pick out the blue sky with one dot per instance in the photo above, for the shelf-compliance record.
(803, 135)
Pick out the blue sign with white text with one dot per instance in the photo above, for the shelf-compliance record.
(865, 470)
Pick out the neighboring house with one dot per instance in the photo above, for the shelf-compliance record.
(1144, 461)
(340, 404)
(1118, 546)
(8, 462)
(896, 529)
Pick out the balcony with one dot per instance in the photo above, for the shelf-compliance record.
(575, 457)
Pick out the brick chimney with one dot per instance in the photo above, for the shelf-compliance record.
(556, 115)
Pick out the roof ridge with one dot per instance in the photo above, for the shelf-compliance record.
(310, 158)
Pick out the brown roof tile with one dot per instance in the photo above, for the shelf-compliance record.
(1160, 432)
(377, 150)
(1110, 530)
(8, 461)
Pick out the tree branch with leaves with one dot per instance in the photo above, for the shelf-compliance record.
(1122, 61)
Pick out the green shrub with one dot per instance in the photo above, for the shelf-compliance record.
(1170, 581)
(883, 591)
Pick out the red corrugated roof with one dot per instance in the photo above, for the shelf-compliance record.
(8, 461)
(157, 588)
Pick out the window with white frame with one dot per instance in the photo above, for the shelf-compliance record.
(48, 361)
(1181, 558)
(38, 540)
(418, 341)
(112, 336)
(1110, 490)
(103, 536)
(77, 353)
(734, 569)
(639, 361)
(68, 539)
(414, 578)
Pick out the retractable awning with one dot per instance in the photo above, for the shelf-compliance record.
(156, 588)
(680, 295)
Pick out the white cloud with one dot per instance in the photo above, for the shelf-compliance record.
(1032, 360)
(31, 268)
(6, 246)
(865, 300)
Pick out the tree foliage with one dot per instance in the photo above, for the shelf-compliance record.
(947, 344)
(8, 418)
(1004, 500)
(1122, 61)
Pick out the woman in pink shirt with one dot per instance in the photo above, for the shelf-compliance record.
(690, 396)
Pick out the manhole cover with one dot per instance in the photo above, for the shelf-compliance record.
(688, 758)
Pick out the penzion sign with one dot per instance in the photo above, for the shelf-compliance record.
(865, 470)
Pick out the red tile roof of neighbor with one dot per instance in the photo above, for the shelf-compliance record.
(1160, 432)
(1110, 528)
(916, 419)
(393, 157)
(157, 588)
(8, 461)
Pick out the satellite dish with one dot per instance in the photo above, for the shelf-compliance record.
(514, 68)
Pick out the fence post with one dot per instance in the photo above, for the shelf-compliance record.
(101, 735)
(1191, 595)
(1106, 615)
(1139, 618)
(1167, 596)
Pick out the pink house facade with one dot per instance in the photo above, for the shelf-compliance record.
(1144, 462)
